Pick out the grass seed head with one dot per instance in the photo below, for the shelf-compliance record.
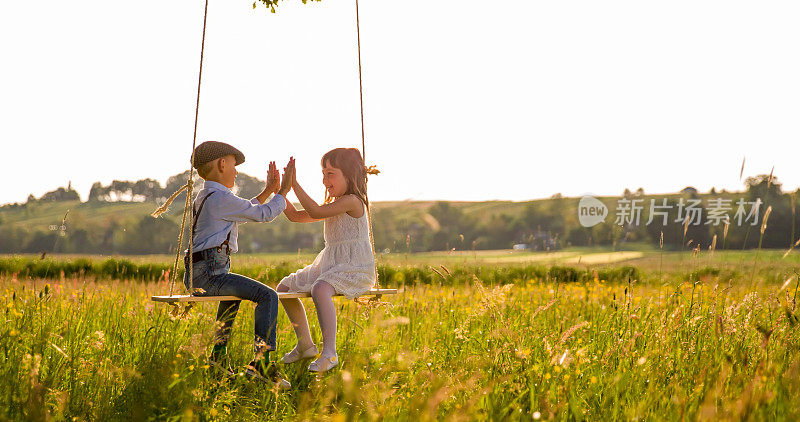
(766, 217)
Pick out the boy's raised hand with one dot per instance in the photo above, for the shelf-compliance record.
(273, 178)
(288, 178)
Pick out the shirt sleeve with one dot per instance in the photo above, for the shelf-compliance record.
(239, 210)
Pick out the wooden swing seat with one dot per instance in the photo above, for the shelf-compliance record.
(190, 298)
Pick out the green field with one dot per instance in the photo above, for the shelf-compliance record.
(689, 337)
(640, 256)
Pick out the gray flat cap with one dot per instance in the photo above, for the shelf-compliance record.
(211, 150)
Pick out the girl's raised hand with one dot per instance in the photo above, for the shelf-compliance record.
(294, 171)
(288, 178)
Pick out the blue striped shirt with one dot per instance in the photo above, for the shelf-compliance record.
(224, 211)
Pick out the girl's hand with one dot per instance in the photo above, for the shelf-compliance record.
(288, 177)
(294, 173)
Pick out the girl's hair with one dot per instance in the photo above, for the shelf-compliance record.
(350, 162)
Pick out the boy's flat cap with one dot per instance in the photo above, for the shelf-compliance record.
(211, 150)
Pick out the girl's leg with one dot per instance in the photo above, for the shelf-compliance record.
(297, 315)
(322, 293)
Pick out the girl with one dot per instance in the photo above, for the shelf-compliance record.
(346, 265)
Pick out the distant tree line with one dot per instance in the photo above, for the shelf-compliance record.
(151, 190)
(115, 220)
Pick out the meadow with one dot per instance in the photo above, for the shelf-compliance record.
(470, 336)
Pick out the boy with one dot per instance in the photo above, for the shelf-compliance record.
(217, 213)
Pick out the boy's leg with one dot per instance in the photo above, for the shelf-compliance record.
(266, 313)
(226, 314)
(297, 315)
(203, 282)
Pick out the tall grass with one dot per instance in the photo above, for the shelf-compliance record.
(583, 350)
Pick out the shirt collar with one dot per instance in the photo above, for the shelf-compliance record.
(211, 185)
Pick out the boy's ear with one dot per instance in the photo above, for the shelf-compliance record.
(220, 164)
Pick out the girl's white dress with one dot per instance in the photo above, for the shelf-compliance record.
(346, 263)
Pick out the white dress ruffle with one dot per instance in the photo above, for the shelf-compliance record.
(346, 263)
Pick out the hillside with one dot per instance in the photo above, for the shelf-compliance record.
(105, 224)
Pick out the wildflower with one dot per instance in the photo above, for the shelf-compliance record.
(99, 340)
(547, 376)
(537, 415)
(593, 380)
(524, 353)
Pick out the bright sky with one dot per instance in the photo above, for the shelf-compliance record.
(463, 100)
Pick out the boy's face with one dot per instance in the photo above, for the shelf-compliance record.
(226, 166)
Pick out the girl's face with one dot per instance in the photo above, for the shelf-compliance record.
(334, 181)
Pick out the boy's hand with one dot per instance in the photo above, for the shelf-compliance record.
(273, 178)
(288, 178)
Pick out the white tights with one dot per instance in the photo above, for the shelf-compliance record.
(322, 294)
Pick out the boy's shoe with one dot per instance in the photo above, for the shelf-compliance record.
(324, 363)
(295, 355)
(267, 372)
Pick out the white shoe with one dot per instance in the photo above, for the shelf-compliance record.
(295, 355)
(324, 363)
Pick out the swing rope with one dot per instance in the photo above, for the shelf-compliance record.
(363, 144)
(190, 182)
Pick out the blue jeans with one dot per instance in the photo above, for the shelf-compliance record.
(213, 277)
